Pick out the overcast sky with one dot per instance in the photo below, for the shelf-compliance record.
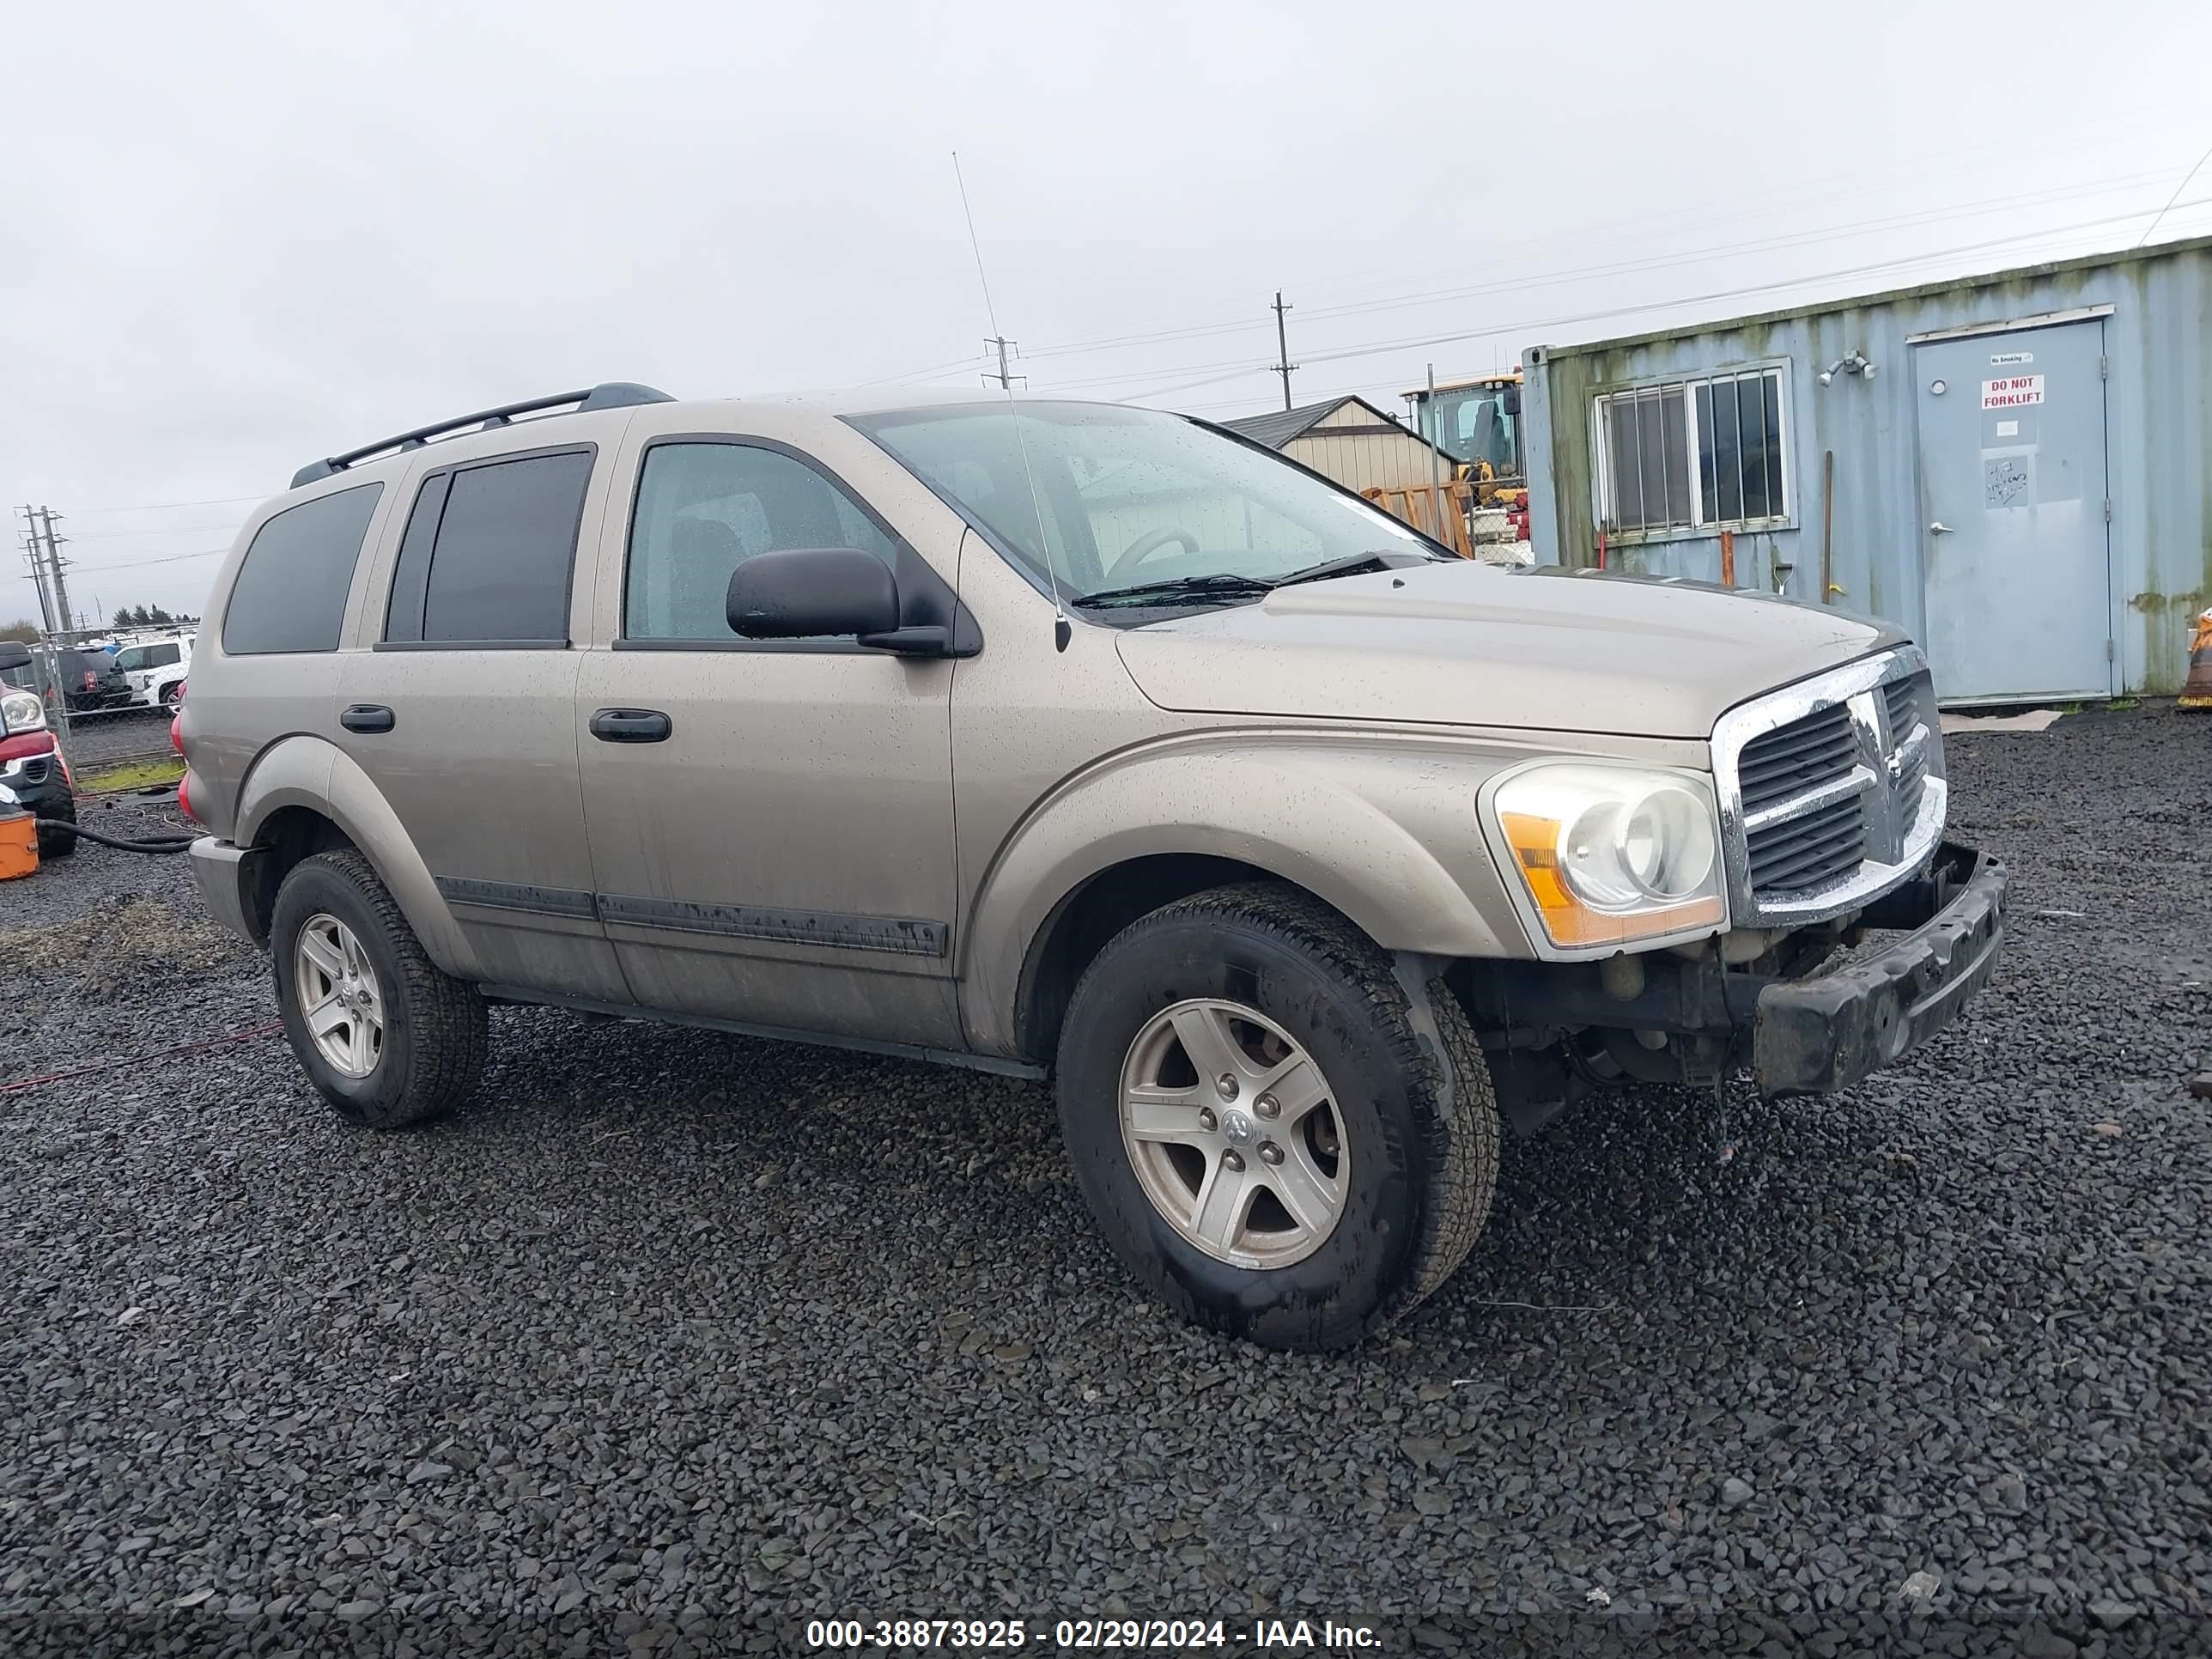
(240, 236)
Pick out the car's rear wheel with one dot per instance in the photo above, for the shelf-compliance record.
(1259, 1126)
(169, 692)
(386, 1037)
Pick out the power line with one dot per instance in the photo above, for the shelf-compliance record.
(2176, 197)
(161, 530)
(164, 507)
(1621, 267)
(1377, 347)
(141, 564)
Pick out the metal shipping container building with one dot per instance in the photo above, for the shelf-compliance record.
(2018, 465)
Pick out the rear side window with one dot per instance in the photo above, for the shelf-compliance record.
(488, 552)
(290, 594)
(703, 509)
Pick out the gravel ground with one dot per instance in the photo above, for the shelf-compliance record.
(675, 1340)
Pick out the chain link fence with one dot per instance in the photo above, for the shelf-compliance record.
(97, 714)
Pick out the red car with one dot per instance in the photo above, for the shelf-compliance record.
(33, 774)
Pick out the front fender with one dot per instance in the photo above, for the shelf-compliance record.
(310, 772)
(1382, 829)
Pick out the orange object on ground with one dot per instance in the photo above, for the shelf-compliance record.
(18, 844)
(2197, 692)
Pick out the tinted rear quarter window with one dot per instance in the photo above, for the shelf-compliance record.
(290, 594)
(487, 554)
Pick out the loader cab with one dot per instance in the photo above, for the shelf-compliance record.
(1477, 423)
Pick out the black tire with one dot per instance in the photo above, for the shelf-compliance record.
(58, 828)
(168, 694)
(436, 1028)
(1421, 1124)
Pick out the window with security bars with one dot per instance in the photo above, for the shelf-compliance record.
(1694, 454)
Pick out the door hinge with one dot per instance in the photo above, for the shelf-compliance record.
(2104, 368)
(2108, 509)
(2108, 651)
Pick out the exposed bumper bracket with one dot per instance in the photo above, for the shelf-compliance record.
(1813, 1036)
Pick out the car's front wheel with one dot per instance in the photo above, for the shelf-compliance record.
(57, 826)
(386, 1037)
(1259, 1126)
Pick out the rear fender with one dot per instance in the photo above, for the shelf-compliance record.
(309, 772)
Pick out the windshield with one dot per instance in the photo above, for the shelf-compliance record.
(1129, 496)
(1471, 424)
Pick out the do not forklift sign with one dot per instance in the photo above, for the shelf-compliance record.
(2012, 391)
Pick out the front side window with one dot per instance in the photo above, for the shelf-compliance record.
(290, 594)
(1095, 497)
(487, 552)
(703, 509)
(1697, 454)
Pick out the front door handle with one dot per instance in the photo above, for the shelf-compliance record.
(631, 726)
(367, 717)
(1939, 528)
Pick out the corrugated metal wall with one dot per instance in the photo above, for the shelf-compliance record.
(1366, 460)
(2159, 342)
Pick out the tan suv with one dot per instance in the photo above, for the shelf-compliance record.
(1064, 740)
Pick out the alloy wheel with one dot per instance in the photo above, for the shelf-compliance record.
(1233, 1134)
(339, 997)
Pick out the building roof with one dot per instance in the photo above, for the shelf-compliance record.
(1279, 427)
(1888, 297)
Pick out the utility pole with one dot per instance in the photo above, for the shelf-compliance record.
(1283, 363)
(34, 555)
(1004, 379)
(44, 549)
(54, 565)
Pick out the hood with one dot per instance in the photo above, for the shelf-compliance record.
(1470, 644)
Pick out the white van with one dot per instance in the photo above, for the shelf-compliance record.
(156, 669)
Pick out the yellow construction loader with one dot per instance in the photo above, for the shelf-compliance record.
(1478, 424)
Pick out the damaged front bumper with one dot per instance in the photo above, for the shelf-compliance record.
(1672, 1020)
(1817, 1035)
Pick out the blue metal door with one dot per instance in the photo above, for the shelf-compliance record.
(2015, 542)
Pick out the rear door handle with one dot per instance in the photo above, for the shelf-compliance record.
(631, 726)
(367, 717)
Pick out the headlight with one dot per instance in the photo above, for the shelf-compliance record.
(21, 711)
(1610, 853)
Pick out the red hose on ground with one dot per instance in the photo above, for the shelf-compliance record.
(17, 1086)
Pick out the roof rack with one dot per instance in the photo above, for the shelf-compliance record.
(610, 394)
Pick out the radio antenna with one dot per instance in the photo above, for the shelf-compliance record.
(1062, 629)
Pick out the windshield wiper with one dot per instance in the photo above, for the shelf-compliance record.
(1219, 585)
(1351, 564)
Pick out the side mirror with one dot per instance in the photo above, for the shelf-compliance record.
(814, 592)
(1509, 400)
(14, 653)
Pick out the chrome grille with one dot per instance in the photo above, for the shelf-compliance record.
(1831, 790)
(1902, 699)
(1902, 702)
(1803, 853)
(1795, 757)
